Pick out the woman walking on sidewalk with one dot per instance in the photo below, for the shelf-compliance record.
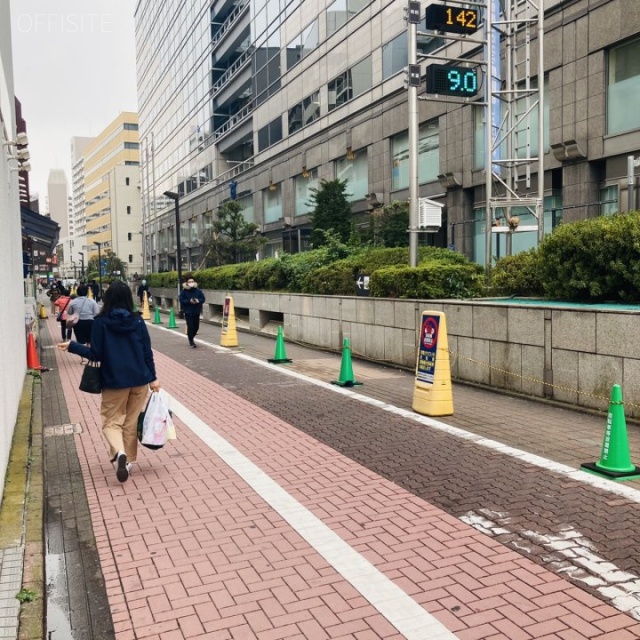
(120, 342)
(191, 301)
(87, 310)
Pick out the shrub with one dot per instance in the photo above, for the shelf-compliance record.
(267, 275)
(593, 260)
(518, 275)
(428, 281)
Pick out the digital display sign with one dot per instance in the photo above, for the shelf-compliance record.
(461, 82)
(444, 17)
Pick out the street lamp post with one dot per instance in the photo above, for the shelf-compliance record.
(81, 254)
(99, 266)
(73, 264)
(176, 198)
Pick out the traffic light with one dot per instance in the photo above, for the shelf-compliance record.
(452, 80)
(233, 189)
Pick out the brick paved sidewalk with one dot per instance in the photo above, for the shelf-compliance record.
(193, 548)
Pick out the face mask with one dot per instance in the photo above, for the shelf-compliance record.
(144, 282)
(191, 285)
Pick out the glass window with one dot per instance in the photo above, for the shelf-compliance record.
(356, 173)
(272, 203)
(336, 16)
(624, 88)
(609, 200)
(270, 134)
(247, 207)
(350, 84)
(522, 241)
(193, 228)
(394, 56)
(304, 112)
(428, 156)
(303, 185)
(302, 44)
(310, 38)
(341, 11)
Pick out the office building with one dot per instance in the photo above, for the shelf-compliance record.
(276, 96)
(110, 164)
(58, 199)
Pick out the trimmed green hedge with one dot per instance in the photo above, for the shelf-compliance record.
(592, 260)
(518, 275)
(326, 271)
(429, 280)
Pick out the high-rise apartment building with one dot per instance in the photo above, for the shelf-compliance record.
(275, 96)
(110, 164)
(78, 145)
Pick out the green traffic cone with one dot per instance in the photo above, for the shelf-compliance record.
(156, 318)
(615, 459)
(172, 320)
(346, 368)
(280, 355)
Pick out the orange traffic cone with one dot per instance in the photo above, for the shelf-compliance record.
(33, 362)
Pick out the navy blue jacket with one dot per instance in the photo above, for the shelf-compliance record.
(188, 307)
(120, 342)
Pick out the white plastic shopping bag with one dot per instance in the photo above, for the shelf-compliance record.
(158, 426)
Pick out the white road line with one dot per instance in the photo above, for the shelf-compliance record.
(404, 613)
(580, 476)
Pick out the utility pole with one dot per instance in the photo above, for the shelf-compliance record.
(413, 18)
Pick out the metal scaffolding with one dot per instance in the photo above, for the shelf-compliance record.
(514, 108)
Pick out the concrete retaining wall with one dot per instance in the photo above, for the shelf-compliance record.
(566, 354)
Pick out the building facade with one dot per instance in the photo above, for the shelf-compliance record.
(78, 145)
(12, 337)
(111, 183)
(58, 199)
(262, 99)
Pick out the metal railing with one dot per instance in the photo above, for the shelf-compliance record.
(226, 76)
(232, 18)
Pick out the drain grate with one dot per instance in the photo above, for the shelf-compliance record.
(62, 429)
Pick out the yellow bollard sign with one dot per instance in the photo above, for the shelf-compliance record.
(229, 335)
(432, 393)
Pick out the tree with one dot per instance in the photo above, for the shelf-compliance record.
(114, 267)
(231, 239)
(331, 211)
(390, 225)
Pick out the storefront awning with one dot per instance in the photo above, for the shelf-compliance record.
(39, 229)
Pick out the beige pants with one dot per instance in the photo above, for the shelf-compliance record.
(120, 411)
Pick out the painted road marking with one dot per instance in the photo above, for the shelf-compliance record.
(579, 476)
(402, 611)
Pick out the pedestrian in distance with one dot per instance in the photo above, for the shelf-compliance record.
(53, 293)
(95, 290)
(120, 342)
(191, 301)
(62, 303)
(87, 310)
(142, 287)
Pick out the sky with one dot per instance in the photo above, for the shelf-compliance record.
(74, 71)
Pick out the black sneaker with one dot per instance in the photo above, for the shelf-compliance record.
(122, 470)
(192, 345)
